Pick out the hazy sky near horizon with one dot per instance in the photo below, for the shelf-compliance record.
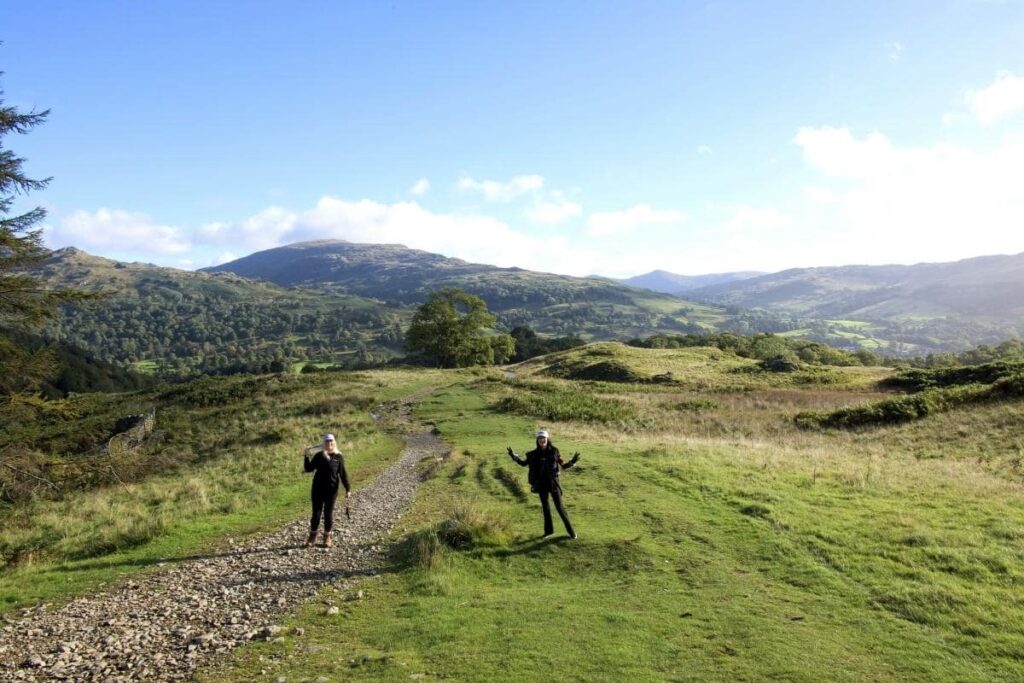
(571, 137)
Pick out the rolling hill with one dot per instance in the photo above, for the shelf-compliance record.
(674, 283)
(972, 301)
(340, 302)
(989, 288)
(326, 301)
(187, 322)
(595, 308)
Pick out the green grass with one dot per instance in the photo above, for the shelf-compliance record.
(245, 476)
(721, 544)
(146, 366)
(718, 541)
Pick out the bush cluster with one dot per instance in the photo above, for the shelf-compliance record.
(920, 379)
(568, 406)
(604, 371)
(914, 406)
(209, 392)
(761, 347)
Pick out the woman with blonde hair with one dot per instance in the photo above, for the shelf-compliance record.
(328, 467)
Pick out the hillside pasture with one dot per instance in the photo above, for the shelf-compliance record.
(718, 541)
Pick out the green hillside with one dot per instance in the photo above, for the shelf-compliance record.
(719, 539)
(187, 322)
(556, 304)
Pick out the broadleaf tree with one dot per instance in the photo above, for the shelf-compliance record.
(454, 329)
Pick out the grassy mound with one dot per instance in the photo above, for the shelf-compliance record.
(567, 406)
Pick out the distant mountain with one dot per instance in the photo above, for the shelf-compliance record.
(976, 300)
(338, 301)
(594, 307)
(673, 283)
(328, 300)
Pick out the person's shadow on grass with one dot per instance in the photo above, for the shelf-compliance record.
(530, 546)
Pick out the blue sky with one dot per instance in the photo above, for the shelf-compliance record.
(573, 137)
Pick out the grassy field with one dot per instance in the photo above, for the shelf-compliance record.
(234, 447)
(718, 541)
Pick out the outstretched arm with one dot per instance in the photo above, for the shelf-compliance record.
(571, 463)
(512, 454)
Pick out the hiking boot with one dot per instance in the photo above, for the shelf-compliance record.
(328, 540)
(312, 539)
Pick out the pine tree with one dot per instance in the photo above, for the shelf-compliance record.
(24, 302)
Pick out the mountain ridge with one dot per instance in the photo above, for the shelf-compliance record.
(981, 286)
(674, 283)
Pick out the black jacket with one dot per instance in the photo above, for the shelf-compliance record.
(544, 464)
(328, 470)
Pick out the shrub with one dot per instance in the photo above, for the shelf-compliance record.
(602, 371)
(211, 391)
(904, 408)
(567, 406)
(988, 373)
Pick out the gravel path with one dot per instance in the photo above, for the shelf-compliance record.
(164, 625)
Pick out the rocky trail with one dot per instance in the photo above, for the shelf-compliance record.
(165, 625)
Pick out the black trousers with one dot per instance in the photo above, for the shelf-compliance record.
(556, 496)
(323, 502)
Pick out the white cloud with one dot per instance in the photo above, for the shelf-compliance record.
(704, 150)
(603, 224)
(495, 191)
(262, 231)
(836, 152)
(895, 50)
(907, 204)
(112, 230)
(420, 187)
(1000, 99)
(554, 210)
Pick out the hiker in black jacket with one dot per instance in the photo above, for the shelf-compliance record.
(328, 466)
(545, 462)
